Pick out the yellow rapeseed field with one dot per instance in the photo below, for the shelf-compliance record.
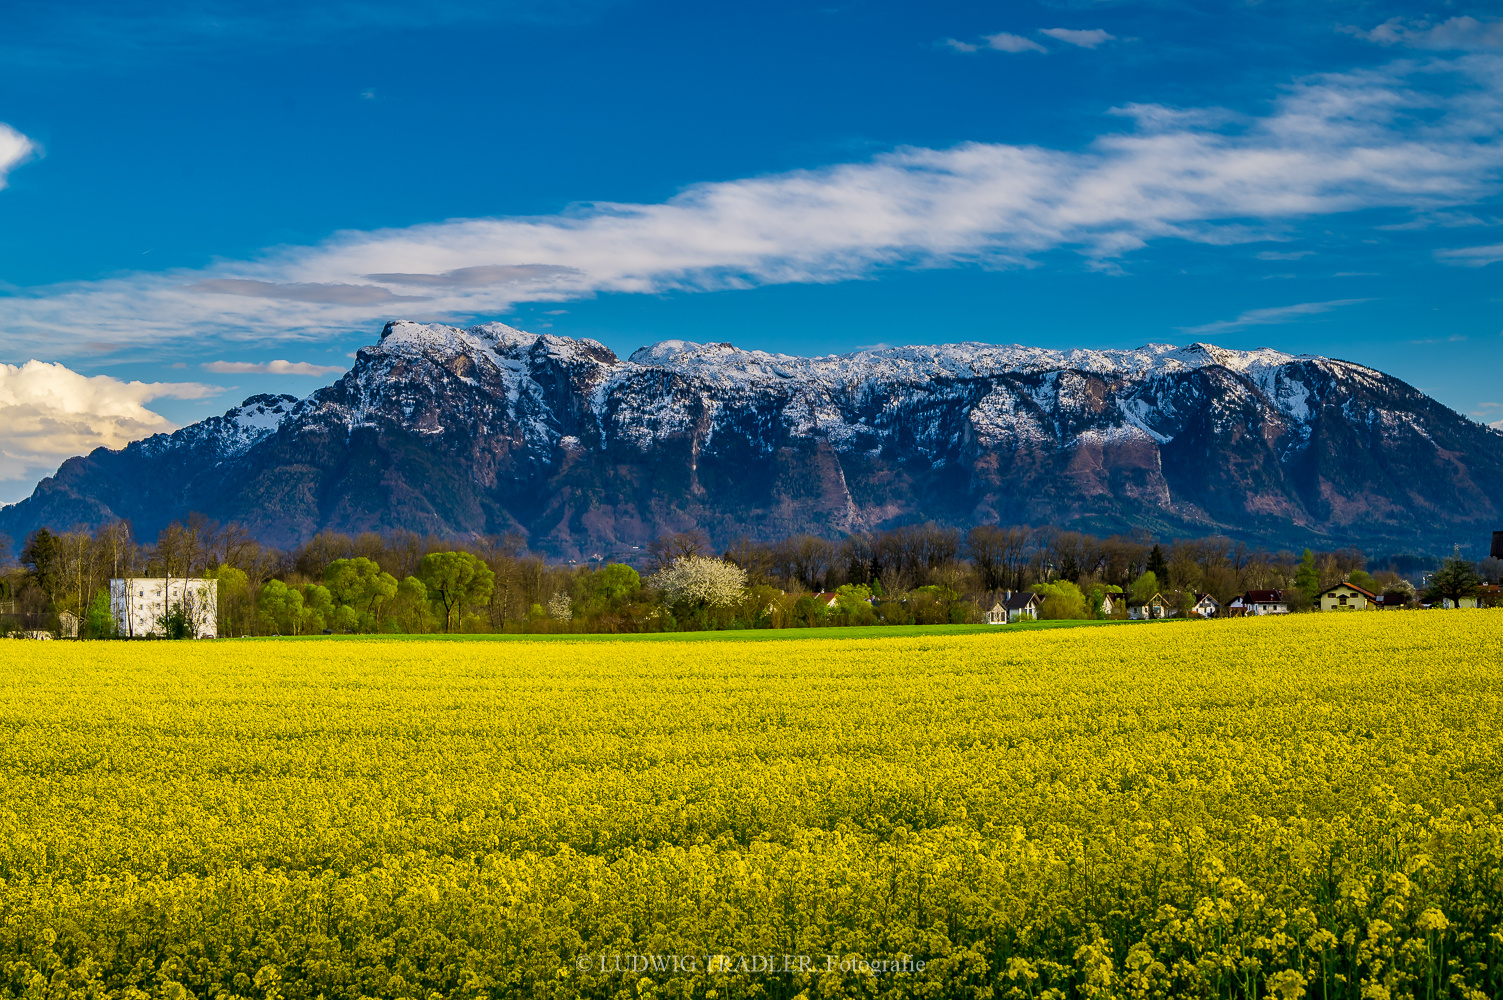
(1306, 806)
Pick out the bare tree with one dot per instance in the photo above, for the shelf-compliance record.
(233, 543)
(201, 535)
(759, 561)
(76, 555)
(858, 557)
(173, 552)
(118, 548)
(664, 550)
(810, 560)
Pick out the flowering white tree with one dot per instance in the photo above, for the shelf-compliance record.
(561, 608)
(700, 581)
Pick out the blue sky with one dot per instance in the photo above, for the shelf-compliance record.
(196, 191)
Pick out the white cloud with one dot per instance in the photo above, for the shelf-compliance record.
(1464, 33)
(960, 46)
(50, 412)
(15, 149)
(1403, 136)
(1277, 255)
(272, 367)
(1087, 38)
(1472, 256)
(1271, 316)
(1003, 42)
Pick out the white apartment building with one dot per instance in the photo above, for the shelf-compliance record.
(138, 603)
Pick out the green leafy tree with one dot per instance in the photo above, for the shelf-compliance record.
(762, 606)
(410, 611)
(99, 621)
(176, 622)
(318, 609)
(854, 603)
(279, 608)
(346, 619)
(1307, 576)
(1143, 588)
(616, 582)
(1060, 599)
(234, 600)
(454, 579)
(1456, 579)
(360, 585)
(809, 612)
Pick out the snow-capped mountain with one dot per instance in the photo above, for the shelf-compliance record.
(491, 429)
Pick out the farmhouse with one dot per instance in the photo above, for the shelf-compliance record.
(1153, 608)
(1019, 606)
(1013, 607)
(1205, 606)
(1258, 602)
(1346, 596)
(139, 603)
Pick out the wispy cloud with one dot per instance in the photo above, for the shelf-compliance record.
(272, 367)
(1403, 136)
(1004, 42)
(1087, 38)
(51, 412)
(1464, 33)
(960, 46)
(15, 149)
(331, 292)
(1272, 316)
(1472, 256)
(1283, 255)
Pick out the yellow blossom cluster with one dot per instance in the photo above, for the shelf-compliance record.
(1301, 807)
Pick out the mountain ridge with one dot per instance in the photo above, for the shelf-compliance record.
(492, 429)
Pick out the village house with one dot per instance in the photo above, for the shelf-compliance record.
(1109, 603)
(139, 603)
(1258, 602)
(1154, 608)
(1205, 606)
(1346, 596)
(1021, 605)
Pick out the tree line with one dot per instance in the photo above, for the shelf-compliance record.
(403, 582)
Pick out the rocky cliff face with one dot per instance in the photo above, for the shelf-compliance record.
(491, 429)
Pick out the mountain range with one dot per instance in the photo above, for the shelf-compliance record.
(461, 432)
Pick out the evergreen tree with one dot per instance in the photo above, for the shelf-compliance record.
(1306, 576)
(1455, 579)
(42, 558)
(1158, 565)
